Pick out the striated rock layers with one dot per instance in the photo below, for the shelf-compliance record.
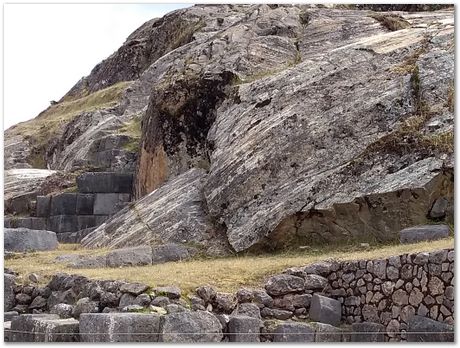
(307, 124)
(338, 141)
(175, 213)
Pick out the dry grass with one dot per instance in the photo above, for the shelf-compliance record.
(443, 142)
(133, 129)
(390, 21)
(409, 65)
(226, 274)
(64, 111)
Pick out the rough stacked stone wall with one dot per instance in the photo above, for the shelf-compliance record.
(391, 291)
(385, 298)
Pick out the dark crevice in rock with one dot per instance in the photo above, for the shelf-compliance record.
(176, 123)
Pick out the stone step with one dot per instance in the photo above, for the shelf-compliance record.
(44, 328)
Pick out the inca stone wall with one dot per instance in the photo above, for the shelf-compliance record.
(402, 298)
(73, 215)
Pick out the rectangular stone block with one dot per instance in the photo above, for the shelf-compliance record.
(63, 223)
(325, 310)
(327, 333)
(85, 203)
(24, 239)
(422, 329)
(23, 326)
(64, 204)
(43, 206)
(287, 331)
(8, 292)
(105, 182)
(86, 221)
(367, 332)
(244, 329)
(50, 330)
(7, 316)
(136, 256)
(8, 222)
(119, 327)
(110, 203)
(74, 237)
(59, 330)
(7, 334)
(33, 223)
(38, 223)
(423, 233)
(100, 219)
(20, 204)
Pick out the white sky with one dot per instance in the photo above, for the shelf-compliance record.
(49, 47)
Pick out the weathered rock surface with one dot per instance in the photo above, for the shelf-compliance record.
(258, 137)
(423, 233)
(136, 256)
(105, 182)
(312, 124)
(8, 294)
(174, 213)
(283, 284)
(21, 187)
(189, 327)
(367, 332)
(293, 332)
(352, 165)
(43, 328)
(422, 329)
(325, 310)
(327, 333)
(119, 327)
(24, 239)
(244, 329)
(169, 252)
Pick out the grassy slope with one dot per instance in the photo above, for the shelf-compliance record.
(47, 125)
(227, 274)
(133, 129)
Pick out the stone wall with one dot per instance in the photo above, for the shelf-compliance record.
(100, 195)
(390, 291)
(402, 298)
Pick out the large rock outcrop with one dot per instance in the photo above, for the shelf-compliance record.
(346, 134)
(22, 187)
(176, 212)
(312, 124)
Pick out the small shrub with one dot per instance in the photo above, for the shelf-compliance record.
(443, 142)
(304, 18)
(390, 21)
(133, 129)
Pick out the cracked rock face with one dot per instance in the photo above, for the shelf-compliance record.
(265, 126)
(174, 213)
(343, 142)
(316, 150)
